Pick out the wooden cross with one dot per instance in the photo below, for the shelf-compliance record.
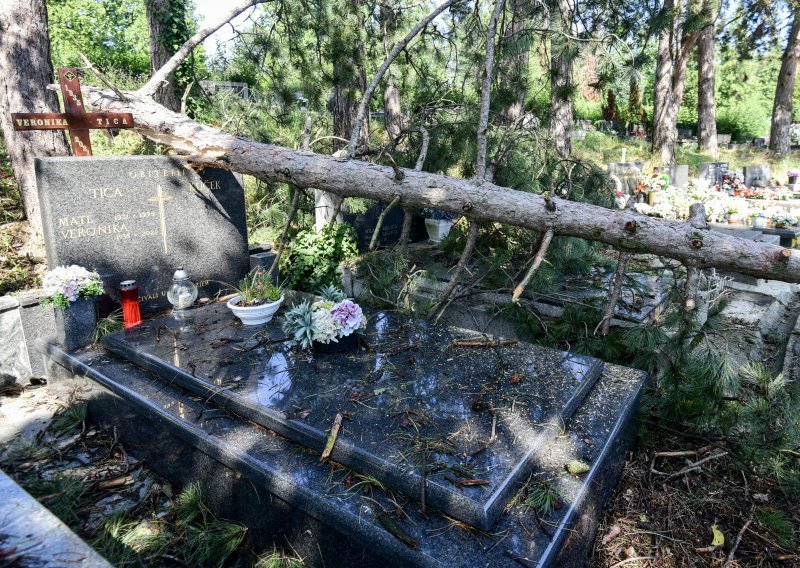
(75, 119)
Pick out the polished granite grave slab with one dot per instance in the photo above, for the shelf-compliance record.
(419, 411)
(329, 515)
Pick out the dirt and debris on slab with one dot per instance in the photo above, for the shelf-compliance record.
(108, 497)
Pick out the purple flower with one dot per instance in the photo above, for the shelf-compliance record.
(348, 315)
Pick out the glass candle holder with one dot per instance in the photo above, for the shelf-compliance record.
(183, 292)
(129, 293)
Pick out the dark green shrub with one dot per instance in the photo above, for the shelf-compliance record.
(312, 259)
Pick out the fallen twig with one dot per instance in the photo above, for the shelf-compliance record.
(737, 542)
(484, 342)
(337, 423)
(693, 466)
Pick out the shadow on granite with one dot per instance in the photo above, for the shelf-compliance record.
(410, 398)
(328, 513)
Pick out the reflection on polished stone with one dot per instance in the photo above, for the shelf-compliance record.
(409, 396)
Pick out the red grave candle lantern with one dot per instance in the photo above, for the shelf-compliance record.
(129, 292)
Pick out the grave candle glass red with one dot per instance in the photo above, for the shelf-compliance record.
(129, 292)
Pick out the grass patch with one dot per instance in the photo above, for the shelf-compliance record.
(62, 494)
(68, 418)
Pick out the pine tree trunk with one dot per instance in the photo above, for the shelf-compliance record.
(782, 109)
(160, 50)
(706, 99)
(664, 130)
(392, 113)
(561, 105)
(25, 72)
(514, 67)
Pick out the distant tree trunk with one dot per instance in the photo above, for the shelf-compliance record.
(782, 109)
(25, 72)
(516, 57)
(161, 50)
(706, 98)
(561, 95)
(671, 62)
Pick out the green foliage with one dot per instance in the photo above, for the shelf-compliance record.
(312, 259)
(257, 288)
(299, 324)
(112, 34)
(109, 324)
(62, 494)
(779, 524)
(542, 497)
(68, 418)
(191, 533)
(331, 293)
(277, 559)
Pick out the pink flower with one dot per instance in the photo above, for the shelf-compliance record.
(348, 315)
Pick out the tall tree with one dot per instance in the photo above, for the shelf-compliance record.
(25, 72)
(706, 85)
(166, 21)
(561, 85)
(514, 61)
(680, 28)
(782, 108)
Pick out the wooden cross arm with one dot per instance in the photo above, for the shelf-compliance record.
(63, 121)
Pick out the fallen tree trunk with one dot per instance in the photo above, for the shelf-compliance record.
(624, 230)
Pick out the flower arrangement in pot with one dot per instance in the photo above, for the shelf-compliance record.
(74, 291)
(783, 220)
(257, 299)
(793, 175)
(329, 325)
(438, 223)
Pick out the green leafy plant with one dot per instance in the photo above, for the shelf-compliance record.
(543, 497)
(299, 324)
(331, 293)
(256, 289)
(109, 324)
(312, 260)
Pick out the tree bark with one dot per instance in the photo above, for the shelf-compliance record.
(515, 61)
(486, 94)
(669, 87)
(561, 105)
(706, 98)
(484, 202)
(25, 72)
(782, 108)
(161, 51)
(392, 113)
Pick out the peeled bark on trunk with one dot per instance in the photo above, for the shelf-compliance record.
(161, 51)
(782, 109)
(392, 113)
(25, 73)
(561, 105)
(706, 99)
(483, 202)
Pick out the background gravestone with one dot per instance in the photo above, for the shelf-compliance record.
(678, 175)
(141, 217)
(364, 224)
(713, 171)
(629, 173)
(757, 176)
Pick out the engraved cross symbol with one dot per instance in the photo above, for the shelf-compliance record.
(161, 199)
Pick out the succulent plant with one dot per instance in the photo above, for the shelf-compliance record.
(299, 324)
(331, 293)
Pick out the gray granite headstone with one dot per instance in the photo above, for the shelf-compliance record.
(723, 139)
(678, 175)
(713, 171)
(141, 217)
(757, 176)
(628, 173)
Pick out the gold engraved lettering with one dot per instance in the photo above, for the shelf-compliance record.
(79, 220)
(120, 230)
(19, 122)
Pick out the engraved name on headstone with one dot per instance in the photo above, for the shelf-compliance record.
(141, 217)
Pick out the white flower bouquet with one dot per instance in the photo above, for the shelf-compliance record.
(65, 284)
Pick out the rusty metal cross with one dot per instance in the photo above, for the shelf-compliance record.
(75, 119)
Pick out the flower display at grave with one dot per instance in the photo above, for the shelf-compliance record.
(783, 219)
(732, 183)
(65, 284)
(324, 321)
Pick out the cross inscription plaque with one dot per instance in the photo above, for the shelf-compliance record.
(75, 119)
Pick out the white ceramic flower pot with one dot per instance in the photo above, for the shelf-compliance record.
(254, 315)
(759, 222)
(437, 229)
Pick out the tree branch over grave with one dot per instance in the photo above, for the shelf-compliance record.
(624, 230)
(186, 49)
